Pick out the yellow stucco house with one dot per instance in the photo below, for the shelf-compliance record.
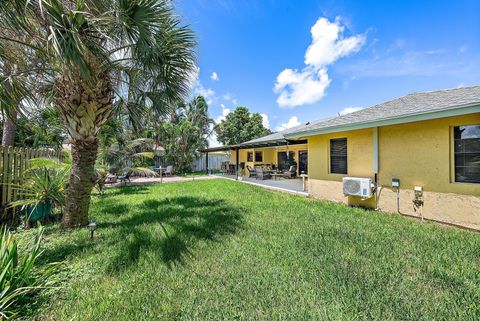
(417, 155)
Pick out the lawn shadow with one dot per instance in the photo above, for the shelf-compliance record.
(125, 190)
(167, 229)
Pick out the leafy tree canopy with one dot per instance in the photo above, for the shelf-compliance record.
(240, 126)
(41, 128)
(184, 133)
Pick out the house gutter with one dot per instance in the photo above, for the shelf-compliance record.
(461, 110)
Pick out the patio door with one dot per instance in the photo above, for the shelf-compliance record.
(282, 159)
(303, 162)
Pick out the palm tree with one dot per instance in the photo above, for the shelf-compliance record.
(185, 133)
(92, 57)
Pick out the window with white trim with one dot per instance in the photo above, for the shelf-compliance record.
(467, 153)
(338, 156)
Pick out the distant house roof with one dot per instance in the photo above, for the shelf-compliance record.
(412, 107)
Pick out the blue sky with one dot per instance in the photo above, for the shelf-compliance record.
(295, 61)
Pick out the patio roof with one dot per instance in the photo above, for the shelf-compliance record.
(272, 140)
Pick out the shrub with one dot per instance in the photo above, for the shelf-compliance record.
(20, 278)
(43, 186)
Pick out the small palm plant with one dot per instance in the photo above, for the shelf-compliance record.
(42, 190)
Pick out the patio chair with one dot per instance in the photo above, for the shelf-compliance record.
(291, 172)
(224, 168)
(169, 171)
(261, 174)
(125, 178)
(251, 171)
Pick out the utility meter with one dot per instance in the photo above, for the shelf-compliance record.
(395, 182)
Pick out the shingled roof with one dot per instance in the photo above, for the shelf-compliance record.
(409, 108)
(410, 105)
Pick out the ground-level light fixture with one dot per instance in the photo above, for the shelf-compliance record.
(92, 226)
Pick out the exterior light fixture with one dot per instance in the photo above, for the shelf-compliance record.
(92, 226)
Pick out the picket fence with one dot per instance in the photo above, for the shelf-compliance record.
(13, 163)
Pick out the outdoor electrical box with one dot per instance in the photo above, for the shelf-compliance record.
(395, 182)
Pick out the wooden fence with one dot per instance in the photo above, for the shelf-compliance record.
(13, 163)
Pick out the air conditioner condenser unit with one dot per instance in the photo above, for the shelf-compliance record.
(357, 186)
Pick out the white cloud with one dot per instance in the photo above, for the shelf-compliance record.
(225, 112)
(402, 61)
(199, 89)
(207, 93)
(292, 122)
(296, 88)
(229, 97)
(300, 88)
(265, 121)
(349, 110)
(214, 76)
(328, 44)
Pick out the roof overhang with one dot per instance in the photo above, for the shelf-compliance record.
(282, 142)
(458, 111)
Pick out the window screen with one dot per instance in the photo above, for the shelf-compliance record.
(250, 157)
(338, 156)
(258, 156)
(467, 153)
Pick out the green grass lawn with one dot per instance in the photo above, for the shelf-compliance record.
(222, 250)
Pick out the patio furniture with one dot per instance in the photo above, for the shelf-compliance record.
(261, 174)
(291, 172)
(110, 179)
(168, 171)
(251, 171)
(160, 170)
(231, 169)
(125, 177)
(276, 175)
(224, 168)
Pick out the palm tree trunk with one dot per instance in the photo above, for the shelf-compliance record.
(9, 129)
(85, 107)
(84, 154)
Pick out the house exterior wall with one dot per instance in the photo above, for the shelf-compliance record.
(419, 154)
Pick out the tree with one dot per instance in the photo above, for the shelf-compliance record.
(240, 126)
(41, 128)
(92, 57)
(185, 133)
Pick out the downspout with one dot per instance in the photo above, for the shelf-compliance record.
(375, 153)
(378, 189)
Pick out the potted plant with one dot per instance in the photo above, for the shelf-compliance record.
(42, 191)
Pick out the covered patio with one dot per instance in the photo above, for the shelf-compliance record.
(270, 161)
(295, 186)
